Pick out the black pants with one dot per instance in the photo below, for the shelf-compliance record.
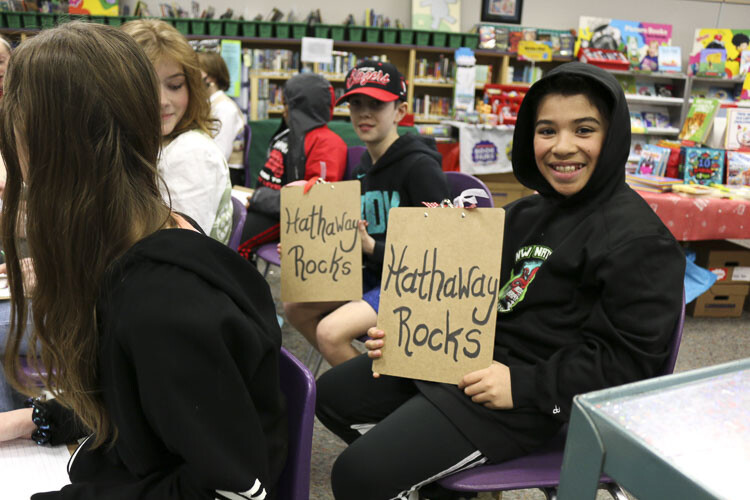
(413, 443)
(258, 230)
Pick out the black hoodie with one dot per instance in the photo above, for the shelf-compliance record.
(189, 372)
(408, 174)
(302, 144)
(593, 289)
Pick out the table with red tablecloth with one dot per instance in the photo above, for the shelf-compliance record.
(693, 218)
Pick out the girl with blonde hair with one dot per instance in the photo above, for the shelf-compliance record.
(192, 166)
(162, 342)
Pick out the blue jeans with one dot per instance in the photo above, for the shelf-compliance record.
(9, 399)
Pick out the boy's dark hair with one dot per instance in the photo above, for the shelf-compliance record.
(740, 38)
(569, 85)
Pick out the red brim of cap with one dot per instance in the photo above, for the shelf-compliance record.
(379, 94)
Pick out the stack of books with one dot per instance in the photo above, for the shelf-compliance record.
(651, 183)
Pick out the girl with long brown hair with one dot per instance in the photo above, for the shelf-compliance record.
(161, 341)
(191, 164)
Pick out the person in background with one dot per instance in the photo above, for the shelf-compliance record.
(195, 173)
(303, 147)
(591, 293)
(225, 110)
(161, 341)
(404, 171)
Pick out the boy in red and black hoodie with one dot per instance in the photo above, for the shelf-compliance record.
(302, 148)
(396, 172)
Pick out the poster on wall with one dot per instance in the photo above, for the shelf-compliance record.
(732, 41)
(436, 15)
(94, 7)
(640, 41)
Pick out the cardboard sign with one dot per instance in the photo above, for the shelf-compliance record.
(321, 256)
(438, 297)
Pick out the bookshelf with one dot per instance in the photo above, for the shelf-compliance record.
(407, 57)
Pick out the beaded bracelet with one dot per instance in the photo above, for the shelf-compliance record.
(40, 417)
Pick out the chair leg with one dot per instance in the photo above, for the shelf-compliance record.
(615, 491)
(550, 493)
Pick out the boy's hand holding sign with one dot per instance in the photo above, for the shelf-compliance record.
(438, 301)
(321, 248)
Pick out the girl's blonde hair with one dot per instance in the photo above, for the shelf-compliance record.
(162, 41)
(6, 43)
(82, 108)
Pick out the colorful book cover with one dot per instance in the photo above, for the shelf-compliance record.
(636, 123)
(738, 168)
(720, 93)
(670, 59)
(704, 166)
(699, 120)
(744, 62)
(745, 93)
(738, 129)
(486, 37)
(646, 88)
(627, 82)
(639, 40)
(94, 7)
(655, 119)
(712, 62)
(653, 160)
(732, 40)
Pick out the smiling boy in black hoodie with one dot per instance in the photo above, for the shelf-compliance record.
(396, 172)
(592, 294)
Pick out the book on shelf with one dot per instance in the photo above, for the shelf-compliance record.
(703, 166)
(670, 59)
(699, 120)
(738, 168)
(636, 123)
(738, 129)
(664, 89)
(655, 119)
(712, 62)
(744, 62)
(646, 89)
(627, 82)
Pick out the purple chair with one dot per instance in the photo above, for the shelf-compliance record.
(298, 385)
(239, 213)
(460, 182)
(541, 469)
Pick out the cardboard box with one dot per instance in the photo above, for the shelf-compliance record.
(720, 301)
(504, 188)
(728, 261)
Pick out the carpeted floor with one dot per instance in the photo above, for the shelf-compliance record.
(706, 341)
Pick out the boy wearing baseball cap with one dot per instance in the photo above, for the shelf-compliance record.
(396, 172)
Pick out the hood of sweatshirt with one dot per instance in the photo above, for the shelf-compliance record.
(609, 173)
(310, 100)
(216, 264)
(406, 145)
